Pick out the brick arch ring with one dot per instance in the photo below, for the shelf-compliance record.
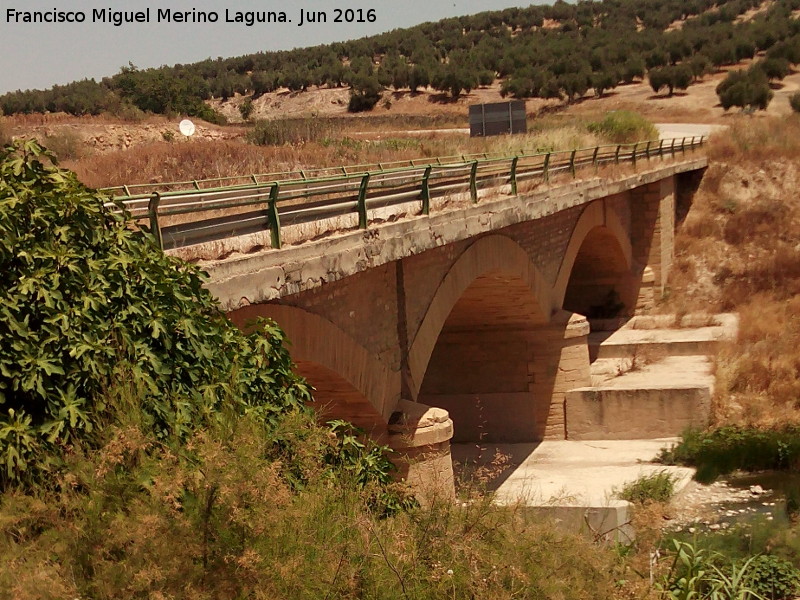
(487, 255)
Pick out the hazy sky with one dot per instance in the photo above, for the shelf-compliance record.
(38, 55)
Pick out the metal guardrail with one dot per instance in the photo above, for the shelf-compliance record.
(264, 204)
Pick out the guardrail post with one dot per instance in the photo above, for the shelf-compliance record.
(572, 162)
(616, 154)
(362, 202)
(473, 181)
(661, 147)
(546, 168)
(647, 150)
(274, 219)
(152, 211)
(594, 155)
(513, 175)
(683, 146)
(633, 153)
(672, 147)
(426, 191)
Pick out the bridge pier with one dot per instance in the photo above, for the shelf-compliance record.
(420, 436)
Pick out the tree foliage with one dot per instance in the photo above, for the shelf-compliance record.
(86, 300)
(672, 77)
(749, 90)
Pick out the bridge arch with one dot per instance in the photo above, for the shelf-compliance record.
(473, 352)
(350, 383)
(596, 276)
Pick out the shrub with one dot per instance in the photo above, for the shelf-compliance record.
(728, 449)
(773, 578)
(86, 299)
(697, 573)
(656, 487)
(246, 108)
(289, 131)
(623, 126)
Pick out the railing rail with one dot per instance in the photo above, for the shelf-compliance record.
(271, 202)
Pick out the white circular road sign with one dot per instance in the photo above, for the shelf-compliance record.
(186, 127)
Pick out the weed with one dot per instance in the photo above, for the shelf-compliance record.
(280, 132)
(695, 573)
(623, 126)
(66, 144)
(774, 578)
(655, 487)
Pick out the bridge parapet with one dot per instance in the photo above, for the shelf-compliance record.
(268, 274)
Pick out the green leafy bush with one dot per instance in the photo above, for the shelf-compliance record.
(624, 126)
(728, 449)
(773, 578)
(656, 487)
(696, 573)
(85, 299)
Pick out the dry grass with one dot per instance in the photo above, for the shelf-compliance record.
(181, 161)
(135, 519)
(739, 250)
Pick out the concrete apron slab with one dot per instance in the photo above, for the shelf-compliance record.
(572, 483)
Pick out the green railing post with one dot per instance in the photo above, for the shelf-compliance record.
(546, 168)
(426, 191)
(683, 145)
(473, 181)
(273, 217)
(647, 150)
(661, 147)
(633, 153)
(594, 155)
(616, 154)
(672, 148)
(572, 162)
(362, 202)
(513, 176)
(152, 211)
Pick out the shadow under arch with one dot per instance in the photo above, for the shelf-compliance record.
(475, 352)
(350, 383)
(596, 278)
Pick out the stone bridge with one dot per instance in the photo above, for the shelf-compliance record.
(481, 310)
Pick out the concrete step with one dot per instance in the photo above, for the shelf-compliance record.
(663, 335)
(655, 400)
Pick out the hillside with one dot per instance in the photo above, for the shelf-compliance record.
(550, 52)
